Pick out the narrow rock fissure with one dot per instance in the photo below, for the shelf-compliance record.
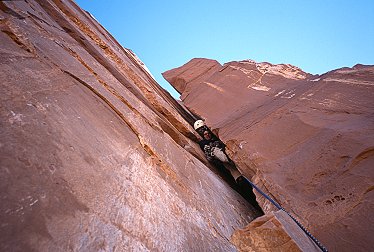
(240, 184)
(242, 187)
(96, 155)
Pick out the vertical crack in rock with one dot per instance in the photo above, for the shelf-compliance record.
(95, 155)
(307, 141)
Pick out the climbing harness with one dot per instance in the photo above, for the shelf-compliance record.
(324, 249)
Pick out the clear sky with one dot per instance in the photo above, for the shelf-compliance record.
(315, 35)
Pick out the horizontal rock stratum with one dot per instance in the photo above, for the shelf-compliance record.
(94, 154)
(307, 140)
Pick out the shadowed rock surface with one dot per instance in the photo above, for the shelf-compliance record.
(306, 140)
(94, 155)
(275, 231)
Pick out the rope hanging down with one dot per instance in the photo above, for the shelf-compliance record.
(324, 249)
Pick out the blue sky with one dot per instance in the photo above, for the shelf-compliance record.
(315, 35)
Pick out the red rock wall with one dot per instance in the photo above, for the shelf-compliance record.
(275, 231)
(94, 155)
(306, 140)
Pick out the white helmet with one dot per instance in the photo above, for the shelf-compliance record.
(198, 124)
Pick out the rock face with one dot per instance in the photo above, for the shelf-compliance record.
(306, 140)
(94, 155)
(275, 231)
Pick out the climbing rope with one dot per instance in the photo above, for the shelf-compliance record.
(324, 249)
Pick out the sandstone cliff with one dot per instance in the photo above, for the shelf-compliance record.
(94, 155)
(306, 140)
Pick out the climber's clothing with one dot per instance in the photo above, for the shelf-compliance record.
(220, 155)
(214, 150)
(211, 145)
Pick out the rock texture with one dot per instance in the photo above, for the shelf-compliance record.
(275, 231)
(94, 155)
(306, 140)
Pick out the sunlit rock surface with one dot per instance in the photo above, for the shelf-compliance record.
(306, 140)
(94, 155)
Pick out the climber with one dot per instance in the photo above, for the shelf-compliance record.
(214, 149)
